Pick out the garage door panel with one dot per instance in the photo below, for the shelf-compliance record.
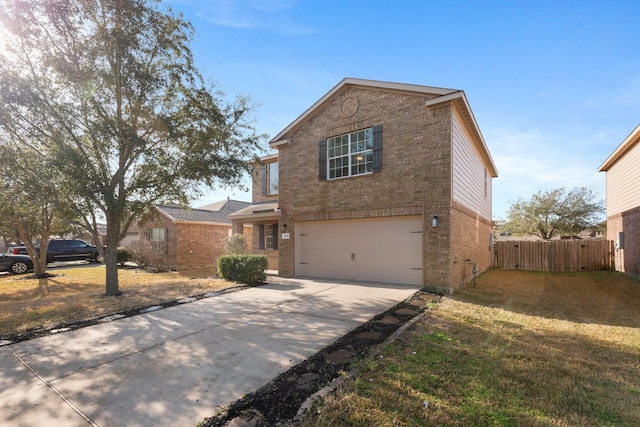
(381, 249)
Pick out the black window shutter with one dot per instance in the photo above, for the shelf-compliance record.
(263, 178)
(322, 160)
(166, 241)
(275, 236)
(261, 238)
(377, 148)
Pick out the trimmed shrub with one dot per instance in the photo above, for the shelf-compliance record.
(122, 255)
(249, 269)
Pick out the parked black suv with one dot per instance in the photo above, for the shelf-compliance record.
(64, 250)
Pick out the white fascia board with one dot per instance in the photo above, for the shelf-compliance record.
(460, 96)
(630, 141)
(277, 140)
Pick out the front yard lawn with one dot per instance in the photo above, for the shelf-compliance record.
(520, 349)
(77, 294)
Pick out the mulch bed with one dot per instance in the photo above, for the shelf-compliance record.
(278, 402)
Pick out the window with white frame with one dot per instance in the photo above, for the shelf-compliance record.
(350, 154)
(268, 238)
(157, 234)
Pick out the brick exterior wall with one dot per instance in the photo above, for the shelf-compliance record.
(470, 239)
(199, 245)
(627, 259)
(165, 259)
(190, 245)
(415, 179)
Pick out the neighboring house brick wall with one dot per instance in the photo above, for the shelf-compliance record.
(161, 258)
(200, 245)
(189, 245)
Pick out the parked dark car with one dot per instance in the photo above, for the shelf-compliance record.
(16, 264)
(64, 250)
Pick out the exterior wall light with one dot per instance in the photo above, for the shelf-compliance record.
(284, 228)
(434, 221)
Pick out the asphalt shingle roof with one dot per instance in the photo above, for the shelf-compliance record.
(221, 215)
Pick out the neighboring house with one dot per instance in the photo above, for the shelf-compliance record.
(623, 203)
(380, 182)
(185, 239)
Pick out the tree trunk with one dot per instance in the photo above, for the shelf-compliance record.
(111, 258)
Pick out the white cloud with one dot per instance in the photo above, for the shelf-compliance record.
(274, 16)
(272, 5)
(531, 160)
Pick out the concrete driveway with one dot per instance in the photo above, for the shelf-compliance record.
(174, 366)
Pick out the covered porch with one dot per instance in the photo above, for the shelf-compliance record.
(265, 220)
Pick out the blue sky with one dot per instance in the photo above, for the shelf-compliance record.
(554, 85)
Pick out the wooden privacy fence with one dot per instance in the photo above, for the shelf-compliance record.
(555, 256)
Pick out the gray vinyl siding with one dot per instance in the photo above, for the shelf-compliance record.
(469, 172)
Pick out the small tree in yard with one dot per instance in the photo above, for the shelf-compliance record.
(234, 245)
(553, 212)
(107, 92)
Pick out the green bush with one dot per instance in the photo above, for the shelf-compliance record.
(234, 245)
(249, 269)
(122, 255)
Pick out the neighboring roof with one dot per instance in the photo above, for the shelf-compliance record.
(257, 211)
(228, 204)
(441, 95)
(627, 144)
(218, 215)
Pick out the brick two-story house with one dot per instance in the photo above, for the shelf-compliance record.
(623, 203)
(381, 182)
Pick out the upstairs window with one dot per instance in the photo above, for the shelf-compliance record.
(273, 178)
(351, 154)
(269, 178)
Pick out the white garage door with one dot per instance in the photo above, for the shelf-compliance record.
(385, 250)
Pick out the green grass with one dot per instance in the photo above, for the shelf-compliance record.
(521, 349)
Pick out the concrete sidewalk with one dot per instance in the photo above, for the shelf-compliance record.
(174, 366)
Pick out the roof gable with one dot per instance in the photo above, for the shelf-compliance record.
(626, 145)
(439, 96)
(351, 82)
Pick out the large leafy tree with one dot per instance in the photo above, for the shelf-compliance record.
(553, 212)
(107, 90)
(32, 204)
